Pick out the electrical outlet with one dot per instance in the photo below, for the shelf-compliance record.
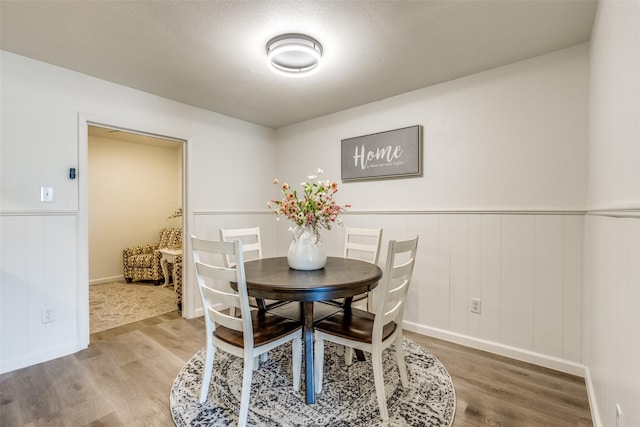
(48, 314)
(618, 415)
(476, 305)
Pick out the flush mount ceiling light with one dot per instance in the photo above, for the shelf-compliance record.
(294, 54)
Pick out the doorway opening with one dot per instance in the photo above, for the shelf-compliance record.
(135, 202)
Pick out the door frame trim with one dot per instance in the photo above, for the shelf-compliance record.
(82, 274)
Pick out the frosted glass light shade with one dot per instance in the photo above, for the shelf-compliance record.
(294, 54)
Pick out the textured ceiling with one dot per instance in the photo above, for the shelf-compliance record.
(211, 54)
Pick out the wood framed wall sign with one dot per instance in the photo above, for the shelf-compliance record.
(391, 154)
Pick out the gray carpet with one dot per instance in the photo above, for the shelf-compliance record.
(118, 303)
(348, 397)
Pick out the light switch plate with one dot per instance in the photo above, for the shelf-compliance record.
(46, 194)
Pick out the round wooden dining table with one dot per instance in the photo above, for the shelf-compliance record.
(271, 278)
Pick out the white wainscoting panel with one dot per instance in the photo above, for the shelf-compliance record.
(425, 273)
(207, 225)
(458, 273)
(517, 280)
(548, 287)
(474, 272)
(524, 266)
(490, 277)
(443, 272)
(38, 269)
(572, 288)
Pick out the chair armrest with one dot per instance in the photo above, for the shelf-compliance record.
(139, 250)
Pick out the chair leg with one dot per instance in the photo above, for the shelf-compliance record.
(400, 357)
(297, 362)
(246, 392)
(208, 369)
(376, 360)
(318, 363)
(370, 307)
(348, 356)
(264, 357)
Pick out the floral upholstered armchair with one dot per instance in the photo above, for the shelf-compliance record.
(143, 262)
(177, 281)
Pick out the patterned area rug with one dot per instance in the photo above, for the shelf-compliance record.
(348, 396)
(118, 303)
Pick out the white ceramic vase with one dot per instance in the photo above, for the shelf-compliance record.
(305, 253)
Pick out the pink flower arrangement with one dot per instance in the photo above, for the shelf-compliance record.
(316, 208)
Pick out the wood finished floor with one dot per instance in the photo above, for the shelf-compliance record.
(125, 376)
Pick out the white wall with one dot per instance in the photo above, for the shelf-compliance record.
(614, 148)
(509, 138)
(44, 246)
(612, 287)
(133, 188)
(498, 209)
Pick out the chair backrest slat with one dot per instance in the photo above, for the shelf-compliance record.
(221, 300)
(359, 247)
(217, 273)
(402, 270)
(250, 238)
(363, 244)
(222, 319)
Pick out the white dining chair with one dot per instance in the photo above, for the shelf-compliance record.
(363, 244)
(374, 332)
(251, 244)
(251, 249)
(248, 336)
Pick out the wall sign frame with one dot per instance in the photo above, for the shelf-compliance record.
(392, 154)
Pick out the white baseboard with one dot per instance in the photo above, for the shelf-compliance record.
(547, 361)
(36, 357)
(199, 312)
(106, 280)
(593, 405)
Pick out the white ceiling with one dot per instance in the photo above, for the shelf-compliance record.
(211, 54)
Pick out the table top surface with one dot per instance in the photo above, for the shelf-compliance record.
(271, 278)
